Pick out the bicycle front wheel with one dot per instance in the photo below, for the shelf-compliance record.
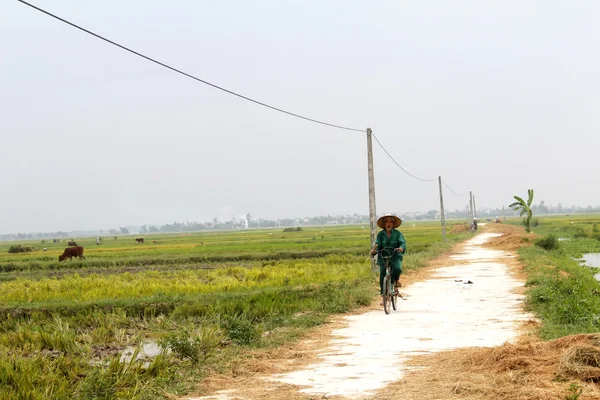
(387, 294)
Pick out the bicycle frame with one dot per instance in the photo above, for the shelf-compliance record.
(389, 291)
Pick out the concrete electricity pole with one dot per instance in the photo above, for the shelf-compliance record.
(442, 209)
(470, 205)
(372, 211)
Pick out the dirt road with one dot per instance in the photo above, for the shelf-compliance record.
(468, 298)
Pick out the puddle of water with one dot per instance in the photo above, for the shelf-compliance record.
(591, 260)
(563, 239)
(149, 349)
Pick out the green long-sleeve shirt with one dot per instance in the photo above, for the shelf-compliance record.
(395, 240)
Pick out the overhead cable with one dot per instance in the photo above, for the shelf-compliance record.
(395, 162)
(224, 89)
(449, 188)
(189, 75)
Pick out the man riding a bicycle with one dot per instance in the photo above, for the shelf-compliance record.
(473, 227)
(390, 238)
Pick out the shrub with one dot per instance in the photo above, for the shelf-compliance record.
(296, 229)
(195, 346)
(134, 379)
(240, 329)
(20, 249)
(549, 242)
(579, 232)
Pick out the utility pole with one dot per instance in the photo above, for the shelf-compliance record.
(442, 209)
(471, 205)
(372, 212)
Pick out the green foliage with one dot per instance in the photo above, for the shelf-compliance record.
(579, 232)
(575, 390)
(549, 242)
(197, 345)
(132, 379)
(296, 229)
(565, 296)
(20, 249)
(240, 329)
(524, 208)
(37, 375)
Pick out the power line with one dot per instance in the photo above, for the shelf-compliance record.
(226, 90)
(395, 162)
(189, 75)
(449, 188)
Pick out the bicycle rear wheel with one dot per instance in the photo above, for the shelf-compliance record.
(387, 294)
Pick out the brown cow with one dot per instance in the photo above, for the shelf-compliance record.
(72, 244)
(139, 240)
(71, 252)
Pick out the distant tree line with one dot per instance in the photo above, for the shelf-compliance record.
(238, 223)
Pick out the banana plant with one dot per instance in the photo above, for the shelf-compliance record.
(524, 207)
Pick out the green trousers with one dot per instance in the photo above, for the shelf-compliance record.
(396, 270)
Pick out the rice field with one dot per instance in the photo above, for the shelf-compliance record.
(202, 297)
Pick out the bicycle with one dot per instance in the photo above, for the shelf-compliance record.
(389, 294)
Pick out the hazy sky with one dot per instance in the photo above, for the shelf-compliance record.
(494, 96)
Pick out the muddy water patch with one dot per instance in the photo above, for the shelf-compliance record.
(591, 260)
(147, 351)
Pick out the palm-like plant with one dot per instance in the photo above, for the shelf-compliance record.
(524, 207)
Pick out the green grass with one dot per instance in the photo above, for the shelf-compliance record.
(566, 226)
(562, 292)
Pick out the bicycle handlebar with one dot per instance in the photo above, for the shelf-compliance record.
(385, 252)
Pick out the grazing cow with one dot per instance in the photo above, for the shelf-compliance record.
(72, 244)
(71, 252)
(139, 240)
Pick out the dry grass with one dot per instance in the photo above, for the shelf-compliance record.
(460, 228)
(527, 370)
(513, 237)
